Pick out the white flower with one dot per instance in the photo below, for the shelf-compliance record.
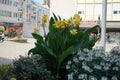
(106, 68)
(97, 67)
(82, 76)
(85, 67)
(70, 76)
(67, 66)
(116, 68)
(104, 78)
(85, 50)
(92, 78)
(75, 59)
(108, 64)
(69, 62)
(114, 78)
(81, 58)
(102, 63)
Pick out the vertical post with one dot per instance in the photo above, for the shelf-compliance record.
(98, 22)
(36, 18)
(103, 25)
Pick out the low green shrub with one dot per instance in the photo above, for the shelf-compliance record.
(5, 71)
(31, 68)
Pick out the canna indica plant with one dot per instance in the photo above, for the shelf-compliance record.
(63, 40)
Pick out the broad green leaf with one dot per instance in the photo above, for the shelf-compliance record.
(59, 17)
(37, 37)
(55, 17)
(65, 54)
(49, 50)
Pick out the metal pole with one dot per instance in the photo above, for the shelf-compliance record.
(99, 25)
(36, 18)
(103, 25)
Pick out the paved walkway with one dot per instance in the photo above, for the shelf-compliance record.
(12, 50)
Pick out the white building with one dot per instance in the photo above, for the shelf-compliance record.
(90, 12)
(22, 13)
(63, 8)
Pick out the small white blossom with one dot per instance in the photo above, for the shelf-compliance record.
(114, 78)
(98, 67)
(82, 76)
(70, 76)
(116, 68)
(106, 68)
(75, 59)
(67, 66)
(69, 62)
(104, 78)
(92, 78)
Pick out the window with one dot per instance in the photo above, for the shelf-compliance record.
(80, 12)
(2, 1)
(8, 14)
(10, 3)
(115, 12)
(5, 1)
(15, 14)
(5, 13)
(15, 4)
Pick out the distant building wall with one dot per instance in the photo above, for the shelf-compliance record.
(63, 8)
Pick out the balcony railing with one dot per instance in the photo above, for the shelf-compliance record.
(20, 10)
(20, 19)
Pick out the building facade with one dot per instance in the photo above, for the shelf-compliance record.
(63, 8)
(22, 13)
(91, 14)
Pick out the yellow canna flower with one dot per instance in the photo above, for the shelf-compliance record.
(76, 19)
(13, 79)
(57, 24)
(36, 30)
(69, 22)
(63, 24)
(73, 31)
(44, 19)
(60, 24)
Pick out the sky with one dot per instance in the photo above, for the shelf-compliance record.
(40, 1)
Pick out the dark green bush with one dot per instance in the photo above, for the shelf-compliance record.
(31, 68)
(5, 71)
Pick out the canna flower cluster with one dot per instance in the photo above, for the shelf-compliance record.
(36, 30)
(44, 19)
(94, 65)
(72, 22)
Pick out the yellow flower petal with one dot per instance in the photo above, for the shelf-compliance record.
(44, 19)
(76, 20)
(73, 31)
(36, 30)
(13, 79)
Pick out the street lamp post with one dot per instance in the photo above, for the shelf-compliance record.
(103, 25)
(98, 22)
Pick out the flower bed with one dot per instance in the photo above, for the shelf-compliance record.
(94, 65)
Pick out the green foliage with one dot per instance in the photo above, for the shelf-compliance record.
(31, 68)
(5, 71)
(59, 45)
(94, 64)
